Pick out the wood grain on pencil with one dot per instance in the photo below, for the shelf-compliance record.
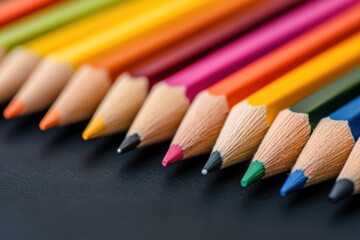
(217, 18)
(201, 125)
(326, 152)
(249, 120)
(149, 16)
(230, 58)
(28, 55)
(292, 127)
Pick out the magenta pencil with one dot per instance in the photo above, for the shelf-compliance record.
(168, 101)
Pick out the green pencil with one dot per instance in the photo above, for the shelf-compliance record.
(292, 128)
(47, 20)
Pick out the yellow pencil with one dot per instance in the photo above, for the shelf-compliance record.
(50, 77)
(249, 120)
(28, 56)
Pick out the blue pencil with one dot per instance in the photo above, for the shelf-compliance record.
(328, 148)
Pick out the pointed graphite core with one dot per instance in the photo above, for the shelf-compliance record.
(51, 119)
(129, 143)
(174, 154)
(255, 172)
(14, 109)
(95, 128)
(214, 163)
(295, 181)
(342, 189)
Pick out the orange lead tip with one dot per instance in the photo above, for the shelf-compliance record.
(51, 119)
(14, 109)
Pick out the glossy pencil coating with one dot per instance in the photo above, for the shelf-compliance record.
(11, 10)
(28, 55)
(328, 148)
(155, 56)
(223, 62)
(201, 125)
(46, 20)
(292, 127)
(149, 16)
(109, 119)
(249, 120)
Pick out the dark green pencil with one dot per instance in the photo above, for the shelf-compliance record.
(292, 128)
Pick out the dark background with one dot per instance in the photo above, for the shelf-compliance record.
(53, 185)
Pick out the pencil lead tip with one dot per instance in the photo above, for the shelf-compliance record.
(51, 119)
(214, 163)
(129, 143)
(342, 189)
(204, 172)
(295, 181)
(174, 154)
(95, 128)
(14, 109)
(255, 172)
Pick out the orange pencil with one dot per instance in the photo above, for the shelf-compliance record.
(202, 124)
(94, 80)
(11, 10)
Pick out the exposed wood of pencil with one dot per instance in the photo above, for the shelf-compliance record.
(245, 124)
(11, 77)
(288, 129)
(326, 151)
(83, 93)
(165, 105)
(351, 169)
(207, 106)
(132, 92)
(49, 70)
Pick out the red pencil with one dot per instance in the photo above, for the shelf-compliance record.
(11, 10)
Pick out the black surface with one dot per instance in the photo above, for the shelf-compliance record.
(56, 186)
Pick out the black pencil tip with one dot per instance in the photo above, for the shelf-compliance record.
(129, 143)
(343, 188)
(214, 163)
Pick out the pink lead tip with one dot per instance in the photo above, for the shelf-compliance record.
(174, 154)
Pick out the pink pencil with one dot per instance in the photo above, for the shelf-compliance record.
(168, 101)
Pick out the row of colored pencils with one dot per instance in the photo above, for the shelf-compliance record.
(276, 81)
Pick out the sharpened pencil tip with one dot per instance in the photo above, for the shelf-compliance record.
(342, 189)
(255, 172)
(129, 143)
(51, 119)
(95, 128)
(14, 109)
(295, 181)
(204, 172)
(174, 154)
(214, 163)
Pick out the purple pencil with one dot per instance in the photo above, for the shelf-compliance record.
(169, 100)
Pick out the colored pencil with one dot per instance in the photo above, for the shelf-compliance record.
(11, 10)
(202, 123)
(227, 19)
(327, 149)
(99, 75)
(46, 20)
(167, 103)
(28, 56)
(348, 181)
(292, 127)
(38, 92)
(249, 120)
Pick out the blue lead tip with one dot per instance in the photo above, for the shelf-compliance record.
(295, 181)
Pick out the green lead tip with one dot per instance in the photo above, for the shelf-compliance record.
(255, 172)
